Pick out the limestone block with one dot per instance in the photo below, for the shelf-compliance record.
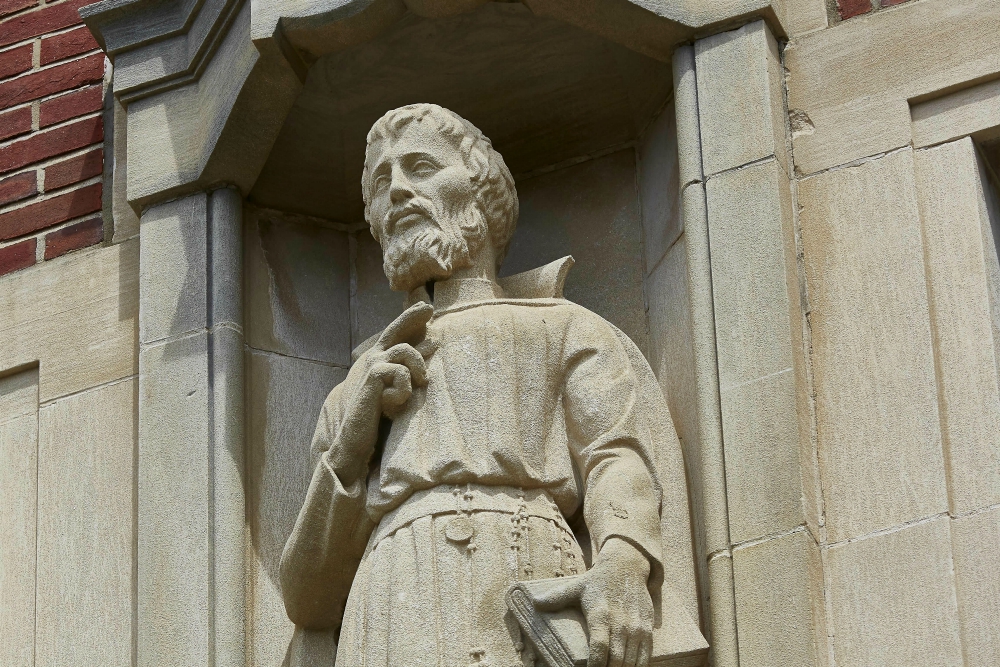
(893, 599)
(671, 346)
(171, 135)
(77, 316)
(670, 340)
(686, 107)
(298, 289)
(955, 194)
(226, 263)
(173, 268)
(659, 186)
(18, 394)
(373, 304)
(802, 16)
(740, 98)
(174, 505)
(976, 547)
(747, 212)
(126, 222)
(964, 112)
(18, 493)
(763, 483)
(86, 486)
(779, 601)
(849, 86)
(589, 211)
(284, 403)
(876, 401)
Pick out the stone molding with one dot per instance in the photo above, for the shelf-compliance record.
(163, 53)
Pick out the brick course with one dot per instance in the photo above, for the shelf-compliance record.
(44, 20)
(52, 80)
(8, 7)
(74, 170)
(49, 212)
(74, 237)
(17, 256)
(51, 132)
(15, 122)
(78, 103)
(16, 60)
(18, 187)
(67, 44)
(50, 143)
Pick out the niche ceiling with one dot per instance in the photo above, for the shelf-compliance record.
(544, 92)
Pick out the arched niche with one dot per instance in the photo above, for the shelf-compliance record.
(586, 126)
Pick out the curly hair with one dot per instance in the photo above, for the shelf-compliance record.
(495, 191)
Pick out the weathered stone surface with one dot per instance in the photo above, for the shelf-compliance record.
(740, 98)
(182, 126)
(18, 494)
(77, 316)
(173, 268)
(803, 16)
(959, 210)
(298, 278)
(876, 401)
(373, 304)
(659, 187)
(976, 546)
(589, 211)
(747, 213)
(174, 504)
(974, 110)
(283, 406)
(852, 82)
(763, 482)
(779, 594)
(893, 599)
(671, 355)
(86, 487)
(561, 94)
(754, 288)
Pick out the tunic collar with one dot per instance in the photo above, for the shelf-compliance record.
(459, 291)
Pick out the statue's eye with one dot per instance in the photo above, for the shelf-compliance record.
(424, 168)
(381, 183)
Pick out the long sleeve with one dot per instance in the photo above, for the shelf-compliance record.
(330, 535)
(609, 441)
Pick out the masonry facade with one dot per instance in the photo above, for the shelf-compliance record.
(790, 207)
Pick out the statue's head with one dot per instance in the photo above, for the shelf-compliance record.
(437, 196)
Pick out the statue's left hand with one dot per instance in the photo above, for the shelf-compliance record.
(615, 600)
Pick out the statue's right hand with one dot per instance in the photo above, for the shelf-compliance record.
(394, 366)
(380, 382)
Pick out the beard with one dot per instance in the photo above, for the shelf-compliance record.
(434, 248)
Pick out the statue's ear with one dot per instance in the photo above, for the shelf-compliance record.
(545, 282)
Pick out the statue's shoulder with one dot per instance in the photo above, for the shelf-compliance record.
(545, 282)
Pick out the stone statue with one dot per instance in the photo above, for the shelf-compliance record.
(493, 433)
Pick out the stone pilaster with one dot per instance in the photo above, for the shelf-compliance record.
(191, 525)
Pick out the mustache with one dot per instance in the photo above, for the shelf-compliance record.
(412, 206)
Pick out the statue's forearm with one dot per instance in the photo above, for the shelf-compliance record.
(324, 549)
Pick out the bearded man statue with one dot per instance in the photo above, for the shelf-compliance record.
(494, 433)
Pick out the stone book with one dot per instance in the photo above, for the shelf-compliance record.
(560, 637)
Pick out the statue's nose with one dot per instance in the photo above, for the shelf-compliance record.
(400, 188)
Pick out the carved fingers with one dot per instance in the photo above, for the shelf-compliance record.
(396, 363)
(409, 327)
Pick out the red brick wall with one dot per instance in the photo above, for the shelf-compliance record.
(51, 132)
(850, 8)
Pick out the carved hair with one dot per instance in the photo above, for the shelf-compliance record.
(495, 192)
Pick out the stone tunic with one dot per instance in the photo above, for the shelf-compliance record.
(533, 394)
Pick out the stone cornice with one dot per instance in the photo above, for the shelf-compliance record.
(157, 45)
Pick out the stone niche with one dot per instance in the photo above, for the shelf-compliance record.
(586, 127)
